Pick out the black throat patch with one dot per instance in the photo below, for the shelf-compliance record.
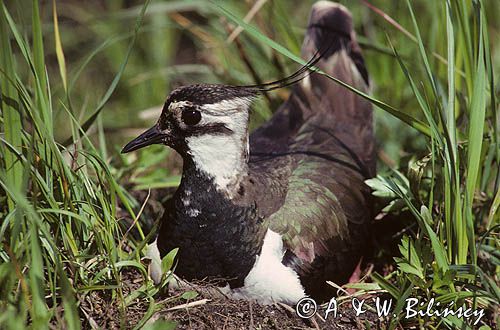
(217, 239)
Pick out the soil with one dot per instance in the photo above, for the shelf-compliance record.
(206, 311)
(237, 314)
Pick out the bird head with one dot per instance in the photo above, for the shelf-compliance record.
(206, 124)
(198, 112)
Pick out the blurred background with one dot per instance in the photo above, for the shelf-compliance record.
(183, 42)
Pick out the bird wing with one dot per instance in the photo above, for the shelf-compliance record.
(316, 152)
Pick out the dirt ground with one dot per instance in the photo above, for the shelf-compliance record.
(231, 314)
(198, 307)
(208, 312)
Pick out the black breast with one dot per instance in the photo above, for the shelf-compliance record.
(216, 238)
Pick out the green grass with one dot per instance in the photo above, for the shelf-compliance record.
(73, 80)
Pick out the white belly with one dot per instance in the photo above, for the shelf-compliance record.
(267, 282)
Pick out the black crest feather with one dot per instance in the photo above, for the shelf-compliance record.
(295, 77)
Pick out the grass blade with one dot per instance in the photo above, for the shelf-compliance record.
(9, 106)
(59, 49)
(39, 66)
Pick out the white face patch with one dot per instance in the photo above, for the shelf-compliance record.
(228, 107)
(218, 156)
(222, 156)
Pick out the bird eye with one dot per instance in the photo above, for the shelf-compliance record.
(191, 117)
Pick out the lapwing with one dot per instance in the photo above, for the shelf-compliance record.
(277, 213)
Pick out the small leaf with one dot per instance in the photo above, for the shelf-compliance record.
(386, 285)
(442, 281)
(437, 245)
(485, 327)
(168, 261)
(380, 187)
(416, 170)
(161, 325)
(409, 269)
(188, 295)
(395, 206)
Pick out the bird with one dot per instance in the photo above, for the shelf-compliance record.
(273, 214)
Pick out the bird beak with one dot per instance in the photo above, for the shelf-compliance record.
(151, 136)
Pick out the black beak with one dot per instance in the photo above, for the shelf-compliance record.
(151, 136)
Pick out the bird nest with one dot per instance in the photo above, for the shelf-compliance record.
(185, 309)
